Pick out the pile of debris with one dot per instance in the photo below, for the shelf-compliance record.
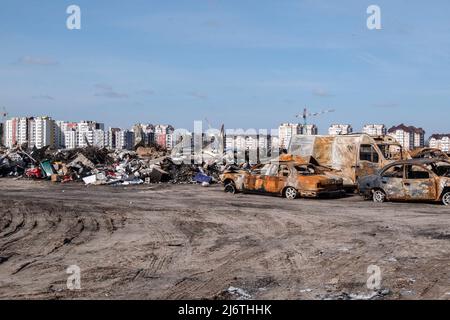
(96, 166)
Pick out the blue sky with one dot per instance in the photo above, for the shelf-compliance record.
(250, 64)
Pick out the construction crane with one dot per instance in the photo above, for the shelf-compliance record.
(305, 115)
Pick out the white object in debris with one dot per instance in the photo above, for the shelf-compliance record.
(306, 290)
(90, 179)
(205, 184)
(369, 296)
(243, 295)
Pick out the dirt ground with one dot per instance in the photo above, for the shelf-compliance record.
(192, 242)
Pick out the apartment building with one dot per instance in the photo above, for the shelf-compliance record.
(163, 135)
(375, 129)
(112, 137)
(70, 138)
(145, 134)
(124, 140)
(338, 129)
(409, 137)
(440, 141)
(310, 130)
(85, 132)
(60, 128)
(16, 131)
(41, 132)
(287, 130)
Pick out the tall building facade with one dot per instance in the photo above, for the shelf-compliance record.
(163, 135)
(287, 130)
(41, 132)
(124, 140)
(375, 129)
(409, 137)
(85, 131)
(440, 141)
(338, 129)
(17, 131)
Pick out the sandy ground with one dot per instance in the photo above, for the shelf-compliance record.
(191, 242)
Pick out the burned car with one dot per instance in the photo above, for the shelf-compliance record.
(287, 176)
(410, 180)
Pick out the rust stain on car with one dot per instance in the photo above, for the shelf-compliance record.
(410, 180)
(289, 176)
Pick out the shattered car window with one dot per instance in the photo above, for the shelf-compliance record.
(394, 172)
(417, 172)
(390, 151)
(305, 169)
(269, 170)
(440, 169)
(283, 171)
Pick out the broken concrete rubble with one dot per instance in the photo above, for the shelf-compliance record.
(95, 166)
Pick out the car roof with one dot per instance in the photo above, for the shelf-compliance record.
(419, 161)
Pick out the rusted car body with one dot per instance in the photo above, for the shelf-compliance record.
(350, 156)
(411, 180)
(430, 153)
(288, 176)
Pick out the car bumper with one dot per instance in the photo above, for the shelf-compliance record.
(322, 193)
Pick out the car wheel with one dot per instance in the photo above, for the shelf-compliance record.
(379, 196)
(290, 193)
(230, 188)
(446, 198)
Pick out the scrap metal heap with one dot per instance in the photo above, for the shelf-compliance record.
(101, 166)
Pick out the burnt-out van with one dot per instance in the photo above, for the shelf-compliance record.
(350, 156)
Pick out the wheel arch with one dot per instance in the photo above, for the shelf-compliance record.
(444, 191)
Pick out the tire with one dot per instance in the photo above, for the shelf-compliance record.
(379, 196)
(290, 193)
(446, 199)
(230, 188)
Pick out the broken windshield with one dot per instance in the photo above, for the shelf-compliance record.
(441, 169)
(391, 151)
(305, 169)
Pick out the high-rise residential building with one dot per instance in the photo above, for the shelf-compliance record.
(17, 131)
(375, 129)
(338, 129)
(85, 130)
(310, 130)
(41, 132)
(144, 134)
(286, 131)
(440, 141)
(164, 136)
(124, 140)
(70, 139)
(60, 128)
(112, 137)
(409, 137)
(100, 138)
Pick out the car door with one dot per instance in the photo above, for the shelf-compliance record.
(284, 171)
(256, 180)
(420, 183)
(250, 179)
(271, 179)
(392, 182)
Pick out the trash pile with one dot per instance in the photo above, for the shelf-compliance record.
(96, 166)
